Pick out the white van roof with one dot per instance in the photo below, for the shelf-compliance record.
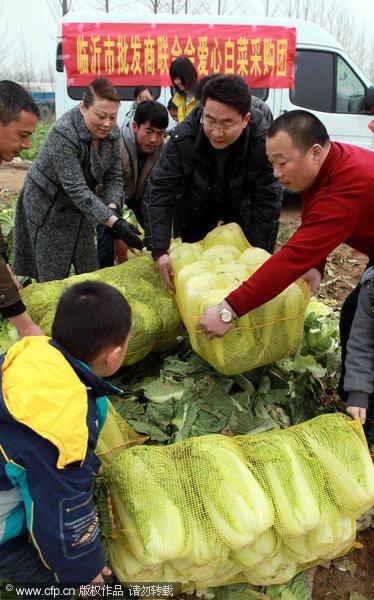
(307, 33)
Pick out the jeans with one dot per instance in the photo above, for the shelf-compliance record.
(347, 314)
(21, 564)
(104, 247)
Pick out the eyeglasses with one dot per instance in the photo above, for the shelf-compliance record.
(226, 127)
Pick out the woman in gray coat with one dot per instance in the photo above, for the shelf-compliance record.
(74, 184)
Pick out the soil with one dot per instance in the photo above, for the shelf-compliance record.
(344, 265)
(352, 576)
(12, 176)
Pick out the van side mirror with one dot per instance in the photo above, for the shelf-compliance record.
(59, 58)
(369, 100)
(356, 103)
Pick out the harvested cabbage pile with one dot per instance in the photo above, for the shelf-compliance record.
(155, 318)
(214, 510)
(206, 272)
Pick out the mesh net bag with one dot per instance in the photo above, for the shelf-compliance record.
(115, 436)
(156, 322)
(215, 510)
(206, 272)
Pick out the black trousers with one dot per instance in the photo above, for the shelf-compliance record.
(104, 247)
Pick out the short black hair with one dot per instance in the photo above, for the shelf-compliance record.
(171, 104)
(90, 317)
(152, 111)
(13, 100)
(201, 84)
(183, 68)
(304, 129)
(228, 89)
(100, 88)
(141, 88)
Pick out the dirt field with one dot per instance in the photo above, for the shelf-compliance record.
(351, 577)
(344, 266)
(12, 176)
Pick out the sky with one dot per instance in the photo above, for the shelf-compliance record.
(33, 19)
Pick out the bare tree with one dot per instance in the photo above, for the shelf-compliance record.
(337, 18)
(369, 70)
(226, 7)
(106, 5)
(59, 8)
(187, 7)
(5, 43)
(154, 5)
(24, 66)
(47, 73)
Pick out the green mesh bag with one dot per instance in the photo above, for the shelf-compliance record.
(206, 272)
(156, 322)
(115, 436)
(216, 510)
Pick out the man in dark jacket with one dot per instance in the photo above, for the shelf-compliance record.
(141, 141)
(214, 168)
(18, 117)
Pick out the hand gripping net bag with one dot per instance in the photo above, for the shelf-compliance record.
(156, 322)
(215, 510)
(206, 272)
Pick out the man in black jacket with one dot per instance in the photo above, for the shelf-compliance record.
(214, 168)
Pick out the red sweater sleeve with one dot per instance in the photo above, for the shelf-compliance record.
(328, 218)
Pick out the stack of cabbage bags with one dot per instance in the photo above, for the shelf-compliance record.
(115, 435)
(215, 510)
(156, 322)
(206, 272)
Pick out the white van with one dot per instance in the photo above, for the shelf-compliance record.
(326, 80)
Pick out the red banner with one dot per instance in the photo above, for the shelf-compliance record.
(141, 53)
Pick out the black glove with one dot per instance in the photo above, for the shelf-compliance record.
(126, 232)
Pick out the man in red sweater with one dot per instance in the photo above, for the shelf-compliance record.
(337, 186)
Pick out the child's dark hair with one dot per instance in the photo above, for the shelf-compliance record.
(90, 317)
(201, 84)
(171, 104)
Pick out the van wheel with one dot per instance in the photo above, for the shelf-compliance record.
(46, 114)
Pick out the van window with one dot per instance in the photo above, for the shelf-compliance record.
(314, 77)
(325, 82)
(125, 92)
(261, 93)
(350, 91)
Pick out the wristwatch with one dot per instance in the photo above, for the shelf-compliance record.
(226, 315)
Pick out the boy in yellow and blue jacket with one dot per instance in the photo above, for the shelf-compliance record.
(52, 407)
